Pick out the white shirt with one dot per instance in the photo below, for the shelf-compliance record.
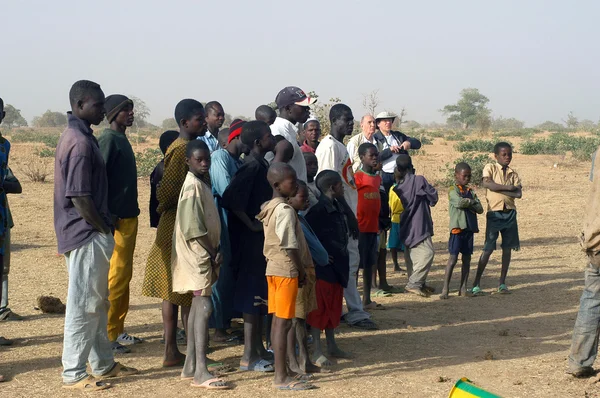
(390, 163)
(210, 141)
(288, 131)
(333, 155)
(353, 145)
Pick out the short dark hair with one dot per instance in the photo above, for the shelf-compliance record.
(82, 89)
(326, 179)
(461, 166)
(253, 131)
(278, 171)
(195, 145)
(187, 108)
(166, 139)
(501, 145)
(223, 137)
(364, 147)
(264, 112)
(212, 105)
(309, 155)
(337, 111)
(404, 162)
(1, 103)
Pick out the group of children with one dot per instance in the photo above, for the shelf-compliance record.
(287, 242)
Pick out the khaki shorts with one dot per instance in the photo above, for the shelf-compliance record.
(306, 301)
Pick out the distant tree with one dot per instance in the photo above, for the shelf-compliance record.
(411, 125)
(142, 112)
(399, 121)
(471, 109)
(550, 126)
(510, 123)
(13, 117)
(371, 102)
(228, 119)
(571, 121)
(50, 119)
(586, 125)
(169, 124)
(244, 118)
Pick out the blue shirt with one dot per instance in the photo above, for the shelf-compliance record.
(317, 251)
(210, 140)
(4, 151)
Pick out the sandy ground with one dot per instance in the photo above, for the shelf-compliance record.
(513, 345)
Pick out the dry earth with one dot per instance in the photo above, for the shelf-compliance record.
(514, 345)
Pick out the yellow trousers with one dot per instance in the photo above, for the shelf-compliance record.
(119, 276)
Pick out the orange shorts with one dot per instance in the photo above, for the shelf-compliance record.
(282, 296)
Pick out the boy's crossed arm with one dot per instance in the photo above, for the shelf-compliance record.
(513, 191)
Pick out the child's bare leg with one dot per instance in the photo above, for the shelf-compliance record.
(464, 274)
(394, 253)
(268, 330)
(185, 314)
(382, 269)
(374, 278)
(332, 349)
(189, 368)
(258, 344)
(250, 354)
(202, 308)
(281, 327)
(449, 268)
(291, 349)
(172, 355)
(303, 357)
(483, 261)
(318, 354)
(367, 279)
(506, 255)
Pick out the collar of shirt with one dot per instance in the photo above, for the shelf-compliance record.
(79, 124)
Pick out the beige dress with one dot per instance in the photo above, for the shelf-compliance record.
(197, 216)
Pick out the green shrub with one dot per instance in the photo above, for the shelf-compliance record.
(458, 136)
(146, 161)
(51, 140)
(477, 163)
(475, 146)
(523, 133)
(435, 134)
(560, 143)
(46, 152)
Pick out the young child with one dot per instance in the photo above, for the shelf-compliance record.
(463, 209)
(416, 225)
(195, 261)
(265, 113)
(369, 204)
(328, 220)
(396, 210)
(287, 253)
(503, 187)
(246, 192)
(165, 140)
(306, 300)
(312, 166)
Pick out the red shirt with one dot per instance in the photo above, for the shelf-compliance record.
(369, 201)
(307, 148)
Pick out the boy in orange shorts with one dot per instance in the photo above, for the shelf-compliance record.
(286, 251)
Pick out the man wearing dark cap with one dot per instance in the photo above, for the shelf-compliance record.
(123, 206)
(293, 105)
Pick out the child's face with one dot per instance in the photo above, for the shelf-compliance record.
(312, 166)
(196, 125)
(463, 177)
(300, 201)
(370, 158)
(338, 190)
(398, 175)
(504, 156)
(288, 187)
(267, 141)
(199, 163)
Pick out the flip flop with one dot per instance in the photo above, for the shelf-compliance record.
(382, 293)
(394, 290)
(502, 289)
(476, 291)
(90, 383)
(418, 292)
(218, 367)
(306, 377)
(374, 306)
(208, 384)
(429, 289)
(259, 366)
(365, 324)
(118, 370)
(296, 386)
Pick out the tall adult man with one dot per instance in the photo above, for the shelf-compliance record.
(215, 117)
(333, 155)
(293, 105)
(123, 206)
(312, 134)
(367, 125)
(393, 143)
(82, 224)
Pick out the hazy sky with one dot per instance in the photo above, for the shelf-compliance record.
(534, 59)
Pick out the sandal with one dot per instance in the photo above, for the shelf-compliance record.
(418, 292)
(296, 385)
(382, 293)
(393, 290)
(90, 383)
(259, 366)
(502, 289)
(118, 348)
(373, 306)
(118, 370)
(212, 384)
(218, 367)
(476, 292)
(365, 324)
(429, 289)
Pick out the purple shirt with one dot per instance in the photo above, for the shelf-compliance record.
(79, 170)
(417, 197)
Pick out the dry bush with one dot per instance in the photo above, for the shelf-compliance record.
(35, 168)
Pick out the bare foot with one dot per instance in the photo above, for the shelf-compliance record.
(444, 295)
(463, 292)
(323, 361)
(337, 353)
(312, 368)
